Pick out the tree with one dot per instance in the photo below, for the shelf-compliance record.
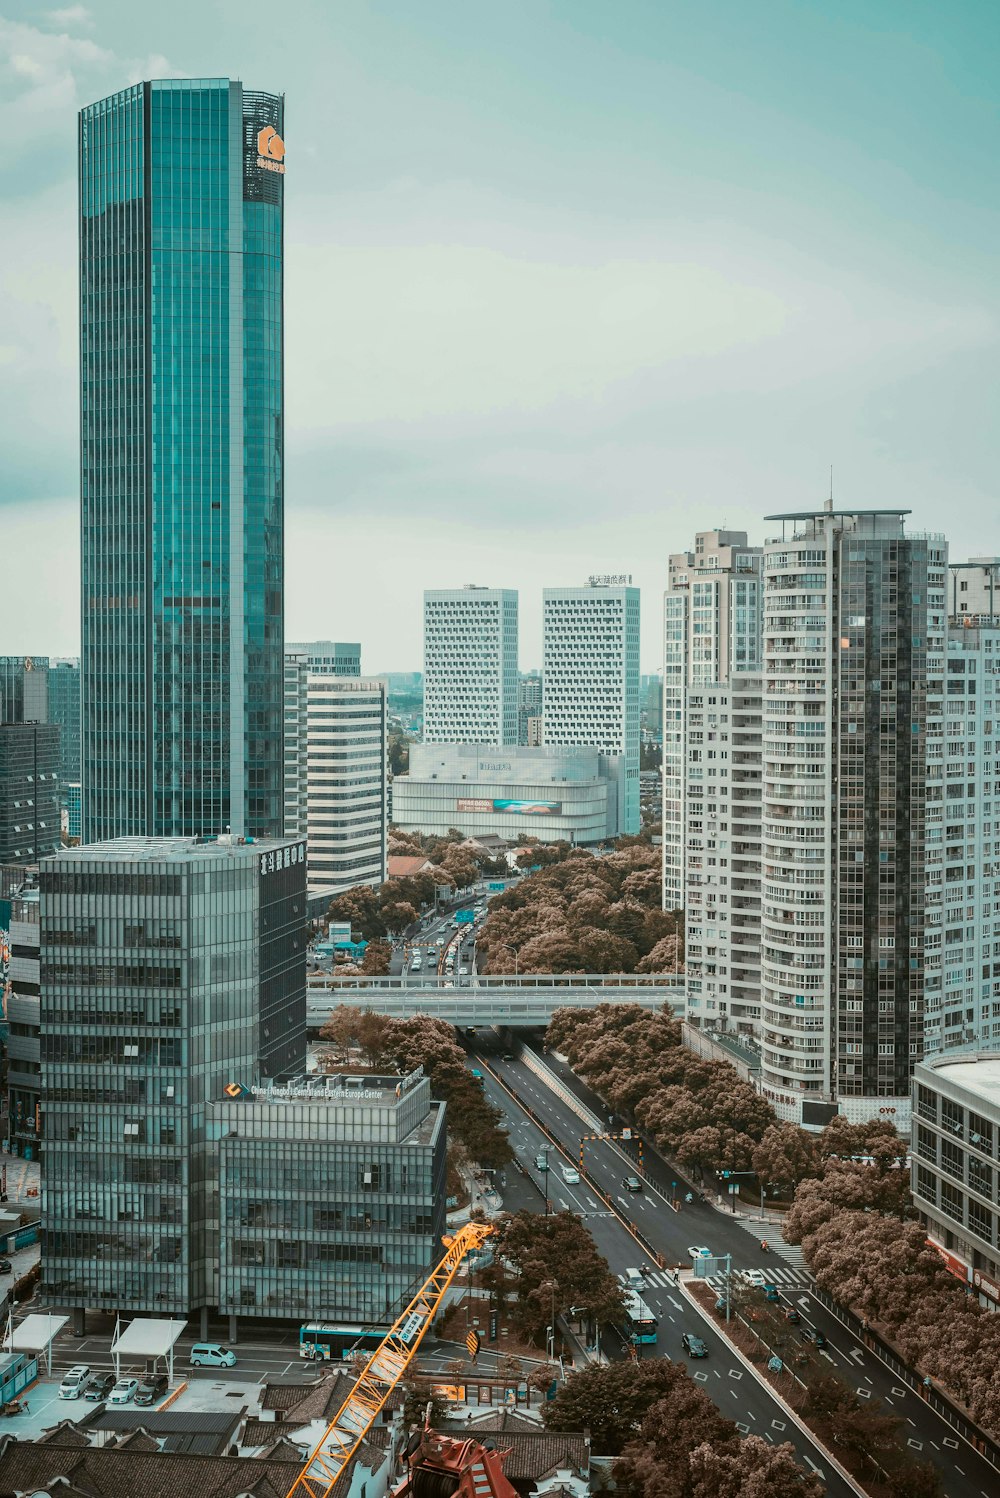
(657, 1465)
(750, 1468)
(359, 908)
(421, 1404)
(431, 1043)
(785, 1156)
(369, 1032)
(398, 916)
(377, 959)
(610, 1400)
(557, 1265)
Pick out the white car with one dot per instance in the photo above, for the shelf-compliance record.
(123, 1391)
(569, 1175)
(700, 1252)
(74, 1381)
(462, 970)
(755, 1277)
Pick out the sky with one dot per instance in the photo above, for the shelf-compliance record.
(566, 281)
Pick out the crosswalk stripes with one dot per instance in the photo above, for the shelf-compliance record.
(778, 1276)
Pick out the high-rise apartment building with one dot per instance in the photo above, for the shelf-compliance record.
(328, 657)
(591, 678)
(962, 943)
(182, 459)
(296, 738)
(346, 774)
(974, 589)
(470, 666)
(722, 817)
(854, 624)
(19, 886)
(529, 707)
(712, 630)
(171, 969)
(30, 822)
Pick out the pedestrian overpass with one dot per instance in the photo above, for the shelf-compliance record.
(526, 1000)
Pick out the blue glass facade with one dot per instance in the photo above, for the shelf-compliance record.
(182, 451)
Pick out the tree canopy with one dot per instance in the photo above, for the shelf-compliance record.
(557, 1265)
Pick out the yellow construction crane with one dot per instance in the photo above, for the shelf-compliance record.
(383, 1371)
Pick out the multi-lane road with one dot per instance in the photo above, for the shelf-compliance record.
(671, 1231)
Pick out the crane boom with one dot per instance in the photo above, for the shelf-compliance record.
(383, 1371)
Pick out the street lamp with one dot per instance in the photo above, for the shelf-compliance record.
(506, 947)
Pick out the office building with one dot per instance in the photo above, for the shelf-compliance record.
(181, 460)
(29, 791)
(296, 738)
(19, 895)
(470, 666)
(328, 657)
(73, 804)
(722, 884)
(529, 708)
(346, 771)
(64, 711)
(854, 641)
(551, 794)
(170, 967)
(24, 689)
(591, 675)
(955, 1164)
(331, 1197)
(712, 631)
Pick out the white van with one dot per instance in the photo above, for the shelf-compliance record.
(634, 1280)
(212, 1355)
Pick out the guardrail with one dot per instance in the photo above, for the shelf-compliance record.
(886, 1353)
(483, 1006)
(527, 981)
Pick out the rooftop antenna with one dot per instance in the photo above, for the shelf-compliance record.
(829, 504)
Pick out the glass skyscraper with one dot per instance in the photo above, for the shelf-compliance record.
(182, 457)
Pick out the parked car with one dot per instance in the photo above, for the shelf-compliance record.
(814, 1335)
(100, 1386)
(74, 1381)
(123, 1391)
(694, 1346)
(6, 1267)
(152, 1388)
(631, 1183)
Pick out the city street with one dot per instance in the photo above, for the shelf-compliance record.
(670, 1231)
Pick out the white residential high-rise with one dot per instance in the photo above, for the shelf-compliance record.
(712, 630)
(470, 666)
(296, 781)
(346, 783)
(722, 816)
(974, 588)
(591, 678)
(853, 667)
(962, 948)
(329, 657)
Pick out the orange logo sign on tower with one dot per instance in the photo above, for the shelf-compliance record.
(270, 150)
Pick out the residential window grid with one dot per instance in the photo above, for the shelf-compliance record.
(346, 774)
(470, 666)
(592, 681)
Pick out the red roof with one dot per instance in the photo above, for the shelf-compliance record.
(400, 865)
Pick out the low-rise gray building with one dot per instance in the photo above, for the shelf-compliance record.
(552, 794)
(955, 1163)
(331, 1197)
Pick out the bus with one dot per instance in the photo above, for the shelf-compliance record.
(640, 1323)
(323, 1343)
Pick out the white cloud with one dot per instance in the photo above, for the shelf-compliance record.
(70, 15)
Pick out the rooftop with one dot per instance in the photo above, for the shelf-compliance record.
(978, 1074)
(169, 849)
(329, 1087)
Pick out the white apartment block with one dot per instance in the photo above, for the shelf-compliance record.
(974, 589)
(470, 666)
(962, 950)
(296, 784)
(723, 855)
(712, 629)
(346, 761)
(590, 672)
(853, 670)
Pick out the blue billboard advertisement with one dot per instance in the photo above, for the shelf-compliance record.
(530, 808)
